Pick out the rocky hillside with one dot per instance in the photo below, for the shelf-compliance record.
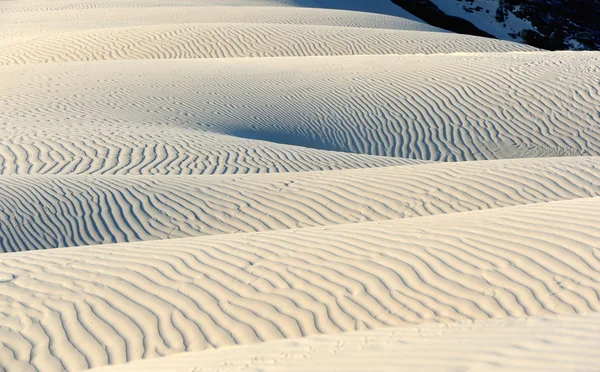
(548, 24)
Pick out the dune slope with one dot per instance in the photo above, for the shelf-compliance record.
(302, 184)
(85, 307)
(451, 107)
(40, 212)
(536, 343)
(240, 40)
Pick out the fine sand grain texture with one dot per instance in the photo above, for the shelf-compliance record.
(291, 185)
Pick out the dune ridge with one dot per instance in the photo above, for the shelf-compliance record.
(240, 40)
(41, 212)
(141, 300)
(299, 184)
(441, 108)
(31, 25)
(141, 150)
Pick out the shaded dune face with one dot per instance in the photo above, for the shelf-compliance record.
(297, 183)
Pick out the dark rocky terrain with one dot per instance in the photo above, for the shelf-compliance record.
(558, 24)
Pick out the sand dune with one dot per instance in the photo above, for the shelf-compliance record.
(473, 107)
(537, 343)
(21, 21)
(39, 212)
(127, 149)
(241, 40)
(383, 194)
(20, 27)
(85, 307)
(163, 13)
(374, 6)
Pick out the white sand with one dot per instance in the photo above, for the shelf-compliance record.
(382, 194)
(85, 307)
(133, 208)
(541, 344)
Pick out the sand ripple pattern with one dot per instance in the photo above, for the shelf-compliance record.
(556, 343)
(241, 40)
(447, 108)
(86, 307)
(376, 6)
(275, 169)
(146, 150)
(30, 25)
(48, 211)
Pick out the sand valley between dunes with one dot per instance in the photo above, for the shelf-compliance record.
(292, 185)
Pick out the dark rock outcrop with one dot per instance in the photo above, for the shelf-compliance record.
(558, 24)
(430, 13)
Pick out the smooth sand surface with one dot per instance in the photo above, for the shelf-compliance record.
(297, 185)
